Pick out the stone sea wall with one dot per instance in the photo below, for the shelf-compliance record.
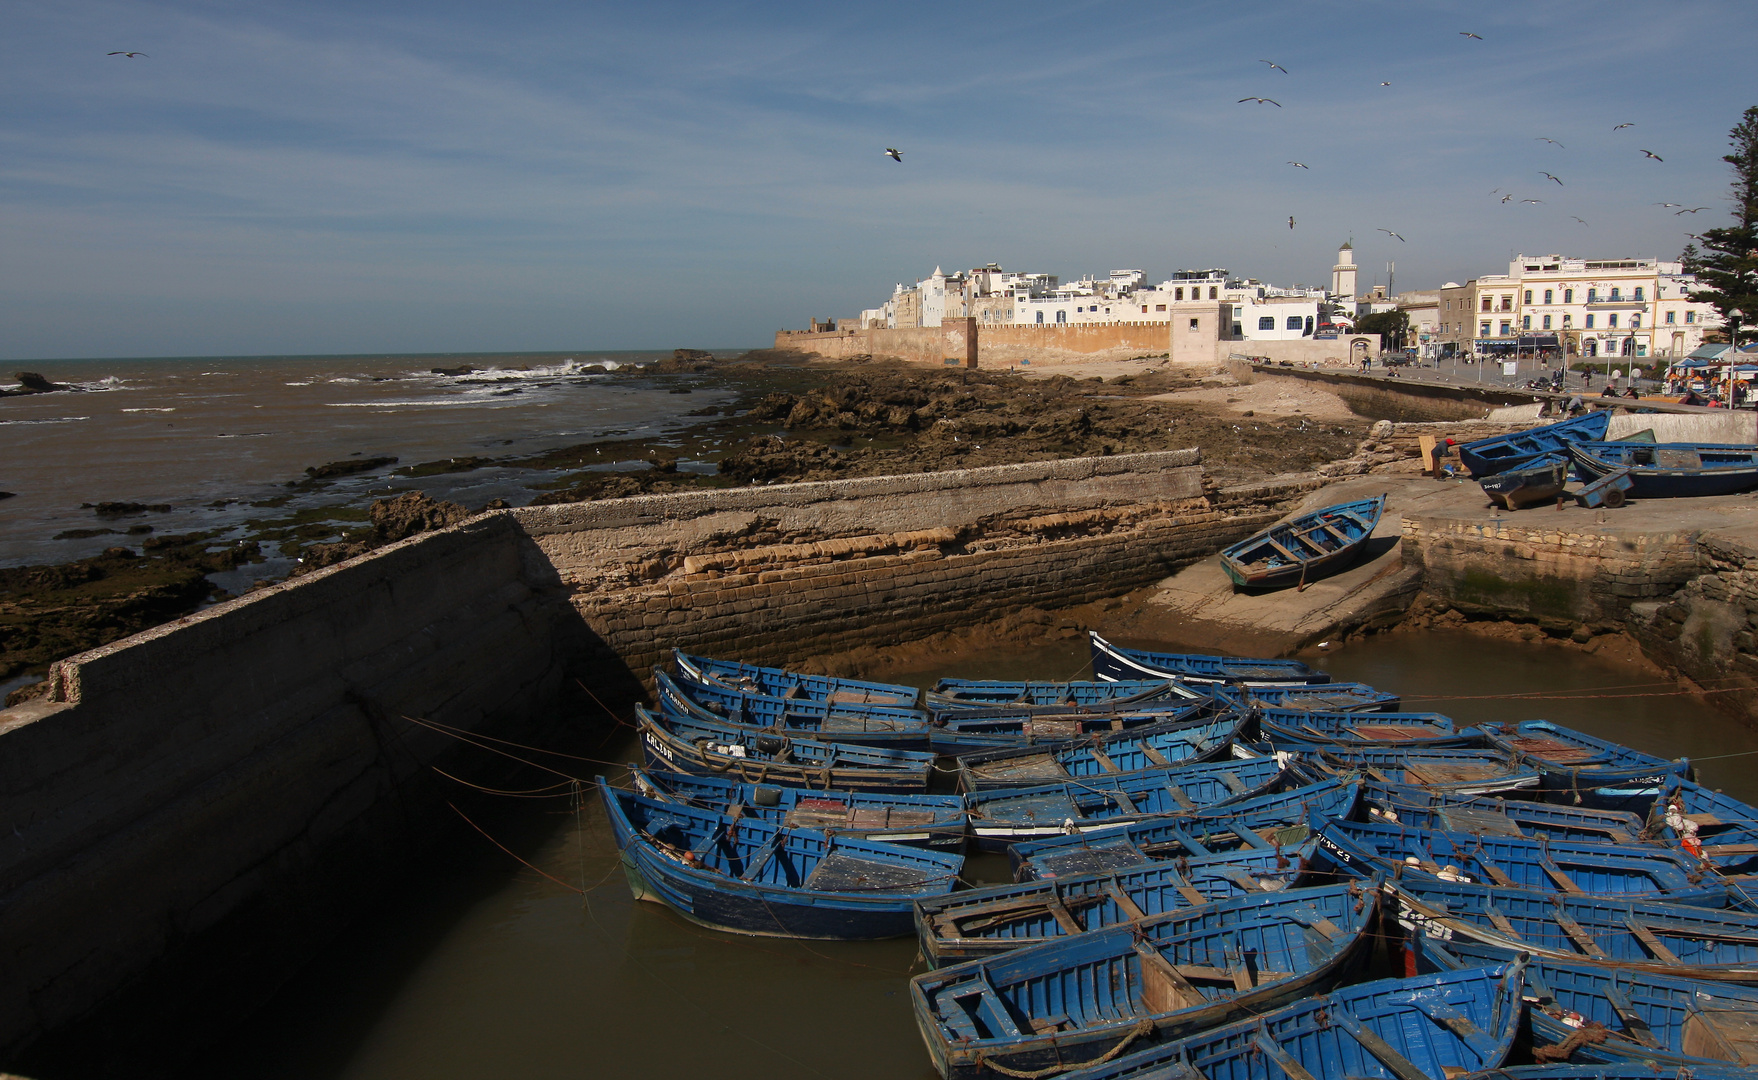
(1708, 630)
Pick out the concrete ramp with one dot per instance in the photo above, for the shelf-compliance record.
(1198, 607)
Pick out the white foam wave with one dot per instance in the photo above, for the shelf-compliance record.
(565, 369)
(307, 382)
(150, 410)
(452, 401)
(49, 420)
(344, 379)
(246, 435)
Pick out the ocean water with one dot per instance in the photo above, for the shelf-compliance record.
(190, 433)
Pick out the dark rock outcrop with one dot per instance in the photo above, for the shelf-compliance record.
(347, 468)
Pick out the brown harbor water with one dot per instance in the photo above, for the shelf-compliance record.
(480, 967)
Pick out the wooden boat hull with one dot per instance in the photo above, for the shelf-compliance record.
(1304, 728)
(1432, 1027)
(862, 725)
(1672, 470)
(932, 821)
(971, 731)
(779, 682)
(874, 884)
(1638, 872)
(1533, 484)
(1156, 746)
(1486, 457)
(1458, 772)
(1584, 770)
(1270, 823)
(1114, 663)
(1726, 829)
(981, 922)
(1651, 937)
(1251, 955)
(674, 746)
(1304, 549)
(1421, 808)
(1004, 817)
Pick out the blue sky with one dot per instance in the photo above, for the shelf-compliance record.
(367, 177)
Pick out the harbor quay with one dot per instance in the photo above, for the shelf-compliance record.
(189, 811)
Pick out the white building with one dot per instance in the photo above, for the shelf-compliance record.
(1611, 307)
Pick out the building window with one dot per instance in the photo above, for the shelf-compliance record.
(1266, 322)
(1214, 292)
(1669, 317)
(1177, 294)
(1486, 303)
(1614, 295)
(1547, 322)
(1144, 309)
(1527, 299)
(1568, 320)
(1062, 316)
(1547, 296)
(1157, 307)
(1612, 320)
(1635, 322)
(1293, 322)
(1593, 296)
(1690, 316)
(1508, 303)
(1483, 328)
(1507, 328)
(1040, 316)
(1639, 294)
(1193, 324)
(1589, 323)
(1525, 322)
(1449, 305)
(1568, 296)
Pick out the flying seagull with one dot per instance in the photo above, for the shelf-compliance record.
(1497, 191)
(1532, 200)
(1298, 165)
(1259, 100)
(1506, 198)
(1385, 84)
(1389, 232)
(1548, 176)
(1469, 34)
(130, 55)
(1693, 210)
(1275, 65)
(1652, 154)
(1621, 127)
(1290, 221)
(1553, 142)
(1578, 219)
(1669, 205)
(893, 153)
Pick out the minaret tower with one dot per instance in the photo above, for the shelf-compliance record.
(1343, 274)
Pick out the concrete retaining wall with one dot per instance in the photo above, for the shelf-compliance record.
(1713, 426)
(220, 793)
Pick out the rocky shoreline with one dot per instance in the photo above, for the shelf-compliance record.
(795, 418)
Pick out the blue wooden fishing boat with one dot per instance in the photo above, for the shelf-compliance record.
(1422, 808)
(1330, 697)
(1717, 828)
(1114, 663)
(1634, 872)
(1080, 998)
(679, 744)
(1304, 549)
(1642, 1018)
(1301, 728)
(779, 682)
(980, 922)
(1621, 1071)
(937, 821)
(1575, 764)
(1654, 936)
(1177, 742)
(866, 725)
(1671, 470)
(1432, 1028)
(1486, 457)
(1459, 772)
(1271, 823)
(1007, 816)
(751, 877)
(1534, 483)
(973, 730)
(1110, 696)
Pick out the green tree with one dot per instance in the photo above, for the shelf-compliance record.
(1690, 259)
(1729, 263)
(1392, 326)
